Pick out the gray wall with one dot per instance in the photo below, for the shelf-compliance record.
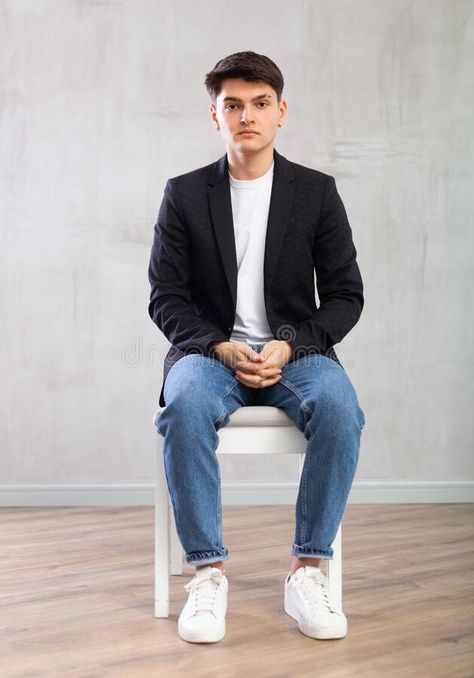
(102, 102)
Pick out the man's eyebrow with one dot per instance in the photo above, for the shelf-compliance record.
(259, 96)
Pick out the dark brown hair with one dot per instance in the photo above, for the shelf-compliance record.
(248, 66)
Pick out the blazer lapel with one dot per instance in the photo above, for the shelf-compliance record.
(281, 200)
(221, 214)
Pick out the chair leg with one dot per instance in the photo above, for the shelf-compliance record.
(162, 541)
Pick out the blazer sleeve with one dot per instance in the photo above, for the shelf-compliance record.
(170, 277)
(338, 278)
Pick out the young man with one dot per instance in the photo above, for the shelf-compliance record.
(232, 265)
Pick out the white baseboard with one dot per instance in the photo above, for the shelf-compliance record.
(236, 494)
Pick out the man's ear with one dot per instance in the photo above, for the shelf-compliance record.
(213, 115)
(283, 107)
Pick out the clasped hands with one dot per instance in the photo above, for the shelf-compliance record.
(257, 370)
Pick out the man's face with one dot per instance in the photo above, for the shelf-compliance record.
(243, 105)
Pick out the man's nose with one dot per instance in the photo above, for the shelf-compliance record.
(246, 115)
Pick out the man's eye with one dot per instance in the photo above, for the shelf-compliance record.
(231, 107)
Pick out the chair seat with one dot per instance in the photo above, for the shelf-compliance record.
(251, 415)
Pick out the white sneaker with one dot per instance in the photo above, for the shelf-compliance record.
(202, 619)
(307, 600)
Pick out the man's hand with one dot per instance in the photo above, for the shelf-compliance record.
(257, 370)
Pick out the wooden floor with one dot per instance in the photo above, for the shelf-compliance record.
(76, 596)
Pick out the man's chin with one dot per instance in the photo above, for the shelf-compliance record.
(247, 148)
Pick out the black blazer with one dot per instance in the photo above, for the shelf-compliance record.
(193, 264)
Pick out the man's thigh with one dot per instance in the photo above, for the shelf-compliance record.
(310, 382)
(197, 382)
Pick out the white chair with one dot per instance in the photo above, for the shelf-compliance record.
(252, 429)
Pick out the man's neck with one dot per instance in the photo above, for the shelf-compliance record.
(250, 165)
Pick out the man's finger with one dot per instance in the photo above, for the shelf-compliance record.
(251, 354)
(255, 368)
(269, 359)
(256, 382)
(270, 373)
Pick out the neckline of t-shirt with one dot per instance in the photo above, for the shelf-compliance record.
(251, 183)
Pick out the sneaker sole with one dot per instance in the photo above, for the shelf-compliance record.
(328, 633)
(202, 636)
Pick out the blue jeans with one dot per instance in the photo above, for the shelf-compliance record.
(201, 393)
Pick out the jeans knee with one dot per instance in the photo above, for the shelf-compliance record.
(195, 403)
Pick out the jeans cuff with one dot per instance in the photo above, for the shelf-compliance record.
(207, 557)
(301, 551)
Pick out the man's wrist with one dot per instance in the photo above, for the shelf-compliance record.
(213, 347)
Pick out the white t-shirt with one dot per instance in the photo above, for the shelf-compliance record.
(250, 204)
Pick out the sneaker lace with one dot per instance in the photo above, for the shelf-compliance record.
(314, 589)
(203, 592)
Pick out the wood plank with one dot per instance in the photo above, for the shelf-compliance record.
(76, 596)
